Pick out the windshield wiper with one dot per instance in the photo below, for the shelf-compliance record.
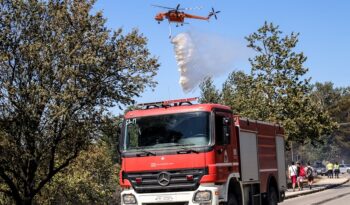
(144, 152)
(185, 149)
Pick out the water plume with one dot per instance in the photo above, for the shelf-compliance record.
(202, 55)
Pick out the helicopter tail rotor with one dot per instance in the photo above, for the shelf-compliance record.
(213, 13)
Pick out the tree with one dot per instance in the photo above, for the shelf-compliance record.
(209, 94)
(337, 102)
(90, 179)
(239, 92)
(276, 89)
(276, 70)
(60, 69)
(284, 93)
(111, 131)
(333, 147)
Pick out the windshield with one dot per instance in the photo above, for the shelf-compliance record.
(171, 130)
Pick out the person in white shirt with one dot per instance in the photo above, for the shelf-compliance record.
(292, 174)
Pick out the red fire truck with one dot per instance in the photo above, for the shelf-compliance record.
(178, 153)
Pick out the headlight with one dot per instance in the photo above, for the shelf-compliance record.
(202, 196)
(129, 199)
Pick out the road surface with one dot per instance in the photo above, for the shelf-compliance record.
(339, 196)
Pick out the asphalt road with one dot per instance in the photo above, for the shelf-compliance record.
(339, 196)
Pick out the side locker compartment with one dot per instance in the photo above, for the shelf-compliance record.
(249, 167)
(249, 156)
(281, 165)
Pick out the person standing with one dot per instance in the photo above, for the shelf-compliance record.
(330, 169)
(292, 174)
(336, 170)
(309, 170)
(300, 175)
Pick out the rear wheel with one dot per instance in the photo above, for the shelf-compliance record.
(272, 197)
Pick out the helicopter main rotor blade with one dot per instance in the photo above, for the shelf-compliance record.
(194, 8)
(164, 7)
(178, 8)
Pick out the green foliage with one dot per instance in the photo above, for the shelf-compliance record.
(337, 102)
(276, 71)
(276, 89)
(209, 93)
(90, 179)
(333, 147)
(60, 69)
(111, 131)
(236, 91)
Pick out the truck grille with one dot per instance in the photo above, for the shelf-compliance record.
(165, 181)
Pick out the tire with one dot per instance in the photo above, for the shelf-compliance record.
(232, 199)
(272, 197)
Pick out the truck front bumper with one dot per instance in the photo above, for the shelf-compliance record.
(178, 198)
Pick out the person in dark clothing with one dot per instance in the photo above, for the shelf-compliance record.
(309, 170)
(330, 169)
(336, 170)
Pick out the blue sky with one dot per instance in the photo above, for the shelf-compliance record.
(324, 28)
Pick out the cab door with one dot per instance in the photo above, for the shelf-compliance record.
(223, 145)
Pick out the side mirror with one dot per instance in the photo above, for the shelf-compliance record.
(227, 130)
(226, 121)
(226, 134)
(118, 149)
(120, 140)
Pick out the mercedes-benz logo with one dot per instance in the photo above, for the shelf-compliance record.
(164, 179)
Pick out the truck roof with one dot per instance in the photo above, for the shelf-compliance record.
(175, 109)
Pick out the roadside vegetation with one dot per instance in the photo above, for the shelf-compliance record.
(316, 117)
(61, 69)
(334, 147)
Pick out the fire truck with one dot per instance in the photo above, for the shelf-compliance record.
(179, 153)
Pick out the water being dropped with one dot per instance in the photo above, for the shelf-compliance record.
(201, 55)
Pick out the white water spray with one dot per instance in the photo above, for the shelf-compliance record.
(201, 55)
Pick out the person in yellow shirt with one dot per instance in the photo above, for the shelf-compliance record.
(336, 170)
(330, 169)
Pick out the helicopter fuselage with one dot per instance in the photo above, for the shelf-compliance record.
(172, 16)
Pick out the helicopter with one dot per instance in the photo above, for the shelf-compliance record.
(177, 15)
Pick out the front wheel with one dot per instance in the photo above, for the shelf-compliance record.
(232, 199)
